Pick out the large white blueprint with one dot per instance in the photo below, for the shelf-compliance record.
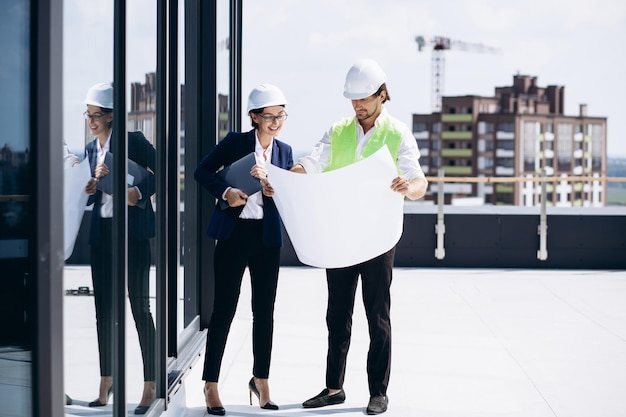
(74, 199)
(342, 217)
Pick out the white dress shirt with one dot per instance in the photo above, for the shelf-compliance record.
(106, 208)
(254, 206)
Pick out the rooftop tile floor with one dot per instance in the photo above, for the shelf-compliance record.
(466, 343)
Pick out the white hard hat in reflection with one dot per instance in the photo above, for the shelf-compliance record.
(363, 79)
(100, 95)
(265, 95)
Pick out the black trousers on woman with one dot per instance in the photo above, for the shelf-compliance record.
(138, 293)
(243, 249)
(376, 277)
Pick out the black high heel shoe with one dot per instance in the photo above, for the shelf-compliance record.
(214, 411)
(253, 389)
(97, 403)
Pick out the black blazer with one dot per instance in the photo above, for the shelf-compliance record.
(232, 148)
(141, 222)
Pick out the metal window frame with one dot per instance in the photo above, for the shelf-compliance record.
(119, 147)
(46, 247)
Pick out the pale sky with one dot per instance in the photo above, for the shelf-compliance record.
(307, 47)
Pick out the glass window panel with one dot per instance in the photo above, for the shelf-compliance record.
(597, 145)
(81, 367)
(15, 212)
(420, 127)
(180, 296)
(506, 127)
(88, 26)
(564, 137)
(141, 59)
(530, 136)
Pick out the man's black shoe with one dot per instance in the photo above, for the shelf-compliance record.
(377, 404)
(323, 399)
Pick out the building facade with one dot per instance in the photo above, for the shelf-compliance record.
(520, 132)
(34, 371)
(142, 112)
(142, 115)
(223, 122)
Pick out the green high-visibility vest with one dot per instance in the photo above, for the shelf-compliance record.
(343, 142)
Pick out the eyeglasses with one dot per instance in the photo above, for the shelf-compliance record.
(95, 117)
(270, 118)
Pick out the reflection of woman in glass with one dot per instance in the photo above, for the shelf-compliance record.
(248, 234)
(141, 227)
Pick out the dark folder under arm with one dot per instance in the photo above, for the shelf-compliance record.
(136, 174)
(237, 175)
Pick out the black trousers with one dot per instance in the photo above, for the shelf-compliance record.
(376, 277)
(243, 249)
(138, 293)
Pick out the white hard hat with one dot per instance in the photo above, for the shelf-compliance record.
(265, 95)
(100, 95)
(363, 79)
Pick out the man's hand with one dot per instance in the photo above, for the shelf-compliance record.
(411, 189)
(400, 185)
(298, 168)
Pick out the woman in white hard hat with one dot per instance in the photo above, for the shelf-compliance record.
(249, 234)
(141, 227)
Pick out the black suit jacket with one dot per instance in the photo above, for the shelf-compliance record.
(141, 222)
(232, 148)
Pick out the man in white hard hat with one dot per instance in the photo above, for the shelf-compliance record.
(346, 142)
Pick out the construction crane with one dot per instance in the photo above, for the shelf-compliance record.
(440, 44)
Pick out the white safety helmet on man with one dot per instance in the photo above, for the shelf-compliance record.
(363, 79)
(100, 95)
(265, 95)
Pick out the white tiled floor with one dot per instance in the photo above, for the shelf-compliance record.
(15, 382)
(466, 343)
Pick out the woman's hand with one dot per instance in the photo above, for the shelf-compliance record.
(235, 197)
(267, 189)
(92, 186)
(258, 171)
(101, 170)
(133, 196)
